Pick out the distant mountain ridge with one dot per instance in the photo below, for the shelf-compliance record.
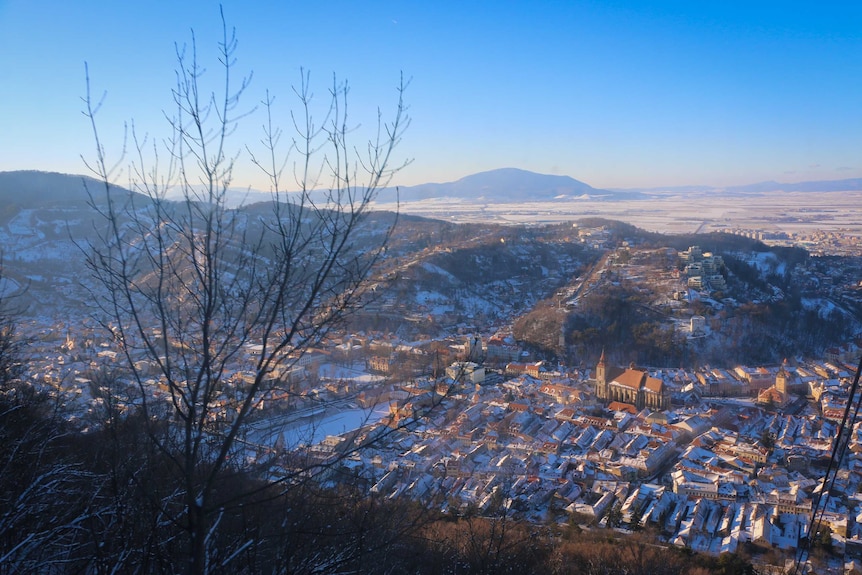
(513, 185)
(30, 188)
(507, 185)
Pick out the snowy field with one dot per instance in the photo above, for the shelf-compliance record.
(340, 423)
(312, 425)
(789, 212)
(332, 371)
(293, 430)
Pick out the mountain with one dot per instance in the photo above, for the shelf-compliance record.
(512, 185)
(33, 189)
(507, 185)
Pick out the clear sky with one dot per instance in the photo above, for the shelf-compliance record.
(613, 93)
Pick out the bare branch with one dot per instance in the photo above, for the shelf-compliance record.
(189, 285)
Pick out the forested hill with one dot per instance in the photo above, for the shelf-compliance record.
(436, 275)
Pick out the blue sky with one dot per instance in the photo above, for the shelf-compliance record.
(616, 94)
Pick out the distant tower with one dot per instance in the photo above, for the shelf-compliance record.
(601, 369)
(602, 378)
(474, 348)
(781, 378)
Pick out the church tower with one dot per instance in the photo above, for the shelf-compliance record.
(781, 379)
(601, 369)
(602, 377)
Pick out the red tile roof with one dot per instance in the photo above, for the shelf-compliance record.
(630, 378)
(653, 384)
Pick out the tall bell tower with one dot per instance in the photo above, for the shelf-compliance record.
(781, 378)
(602, 377)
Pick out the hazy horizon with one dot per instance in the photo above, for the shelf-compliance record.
(238, 189)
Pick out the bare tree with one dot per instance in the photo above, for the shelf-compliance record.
(43, 497)
(10, 342)
(188, 285)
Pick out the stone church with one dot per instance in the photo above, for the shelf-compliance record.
(630, 385)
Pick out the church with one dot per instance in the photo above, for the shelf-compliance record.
(630, 385)
(779, 394)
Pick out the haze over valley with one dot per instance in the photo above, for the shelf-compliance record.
(791, 209)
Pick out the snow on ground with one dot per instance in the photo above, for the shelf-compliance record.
(478, 304)
(438, 270)
(823, 306)
(338, 424)
(738, 401)
(294, 430)
(424, 297)
(57, 250)
(311, 425)
(22, 224)
(767, 262)
(332, 371)
(667, 212)
(438, 304)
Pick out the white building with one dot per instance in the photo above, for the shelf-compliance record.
(466, 372)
